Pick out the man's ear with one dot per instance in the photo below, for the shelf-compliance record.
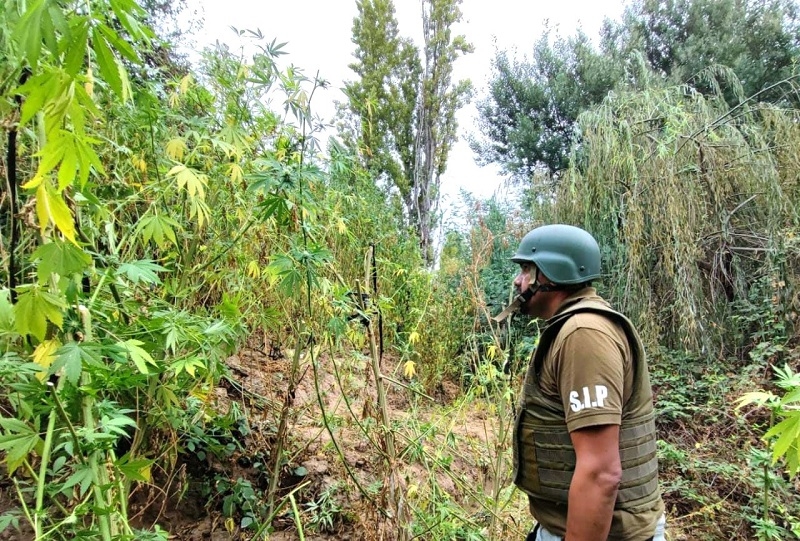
(541, 279)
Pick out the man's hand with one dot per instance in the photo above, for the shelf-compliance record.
(595, 482)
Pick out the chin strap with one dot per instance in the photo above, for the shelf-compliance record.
(518, 301)
(527, 295)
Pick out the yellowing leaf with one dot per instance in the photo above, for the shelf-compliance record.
(33, 183)
(409, 369)
(413, 338)
(235, 172)
(341, 226)
(176, 148)
(51, 207)
(44, 355)
(253, 269)
(139, 163)
(185, 176)
(89, 84)
(185, 82)
(200, 210)
(491, 351)
(134, 469)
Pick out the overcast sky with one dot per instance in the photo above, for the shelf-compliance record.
(318, 33)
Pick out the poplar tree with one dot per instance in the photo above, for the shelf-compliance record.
(404, 103)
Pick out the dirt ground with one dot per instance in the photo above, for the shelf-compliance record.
(259, 386)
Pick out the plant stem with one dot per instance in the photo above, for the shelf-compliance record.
(297, 520)
(766, 473)
(99, 475)
(395, 495)
(280, 437)
(40, 486)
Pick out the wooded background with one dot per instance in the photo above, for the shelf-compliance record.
(159, 218)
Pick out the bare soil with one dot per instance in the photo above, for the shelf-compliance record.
(345, 388)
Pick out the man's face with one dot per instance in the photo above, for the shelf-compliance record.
(539, 304)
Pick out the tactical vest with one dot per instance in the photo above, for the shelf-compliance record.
(544, 459)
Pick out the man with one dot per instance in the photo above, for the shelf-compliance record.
(585, 442)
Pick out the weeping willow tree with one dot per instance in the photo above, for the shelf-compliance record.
(694, 203)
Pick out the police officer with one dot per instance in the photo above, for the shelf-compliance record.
(585, 440)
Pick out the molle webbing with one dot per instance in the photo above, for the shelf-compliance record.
(543, 453)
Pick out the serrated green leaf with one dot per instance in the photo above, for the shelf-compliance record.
(37, 90)
(788, 432)
(117, 424)
(59, 257)
(86, 102)
(159, 229)
(139, 356)
(71, 356)
(75, 45)
(141, 271)
(188, 365)
(28, 32)
(127, 13)
(53, 307)
(83, 476)
(6, 312)
(48, 29)
(18, 440)
(28, 319)
(791, 397)
(68, 169)
(118, 44)
(107, 63)
(277, 206)
(134, 470)
(53, 151)
(34, 308)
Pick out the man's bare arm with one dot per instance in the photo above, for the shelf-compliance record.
(594, 484)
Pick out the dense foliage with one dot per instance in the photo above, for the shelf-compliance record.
(404, 105)
(163, 225)
(730, 48)
(151, 225)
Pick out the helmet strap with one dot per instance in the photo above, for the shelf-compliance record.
(545, 288)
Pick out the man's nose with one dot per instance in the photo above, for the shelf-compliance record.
(518, 280)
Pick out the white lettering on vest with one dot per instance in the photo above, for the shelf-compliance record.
(600, 395)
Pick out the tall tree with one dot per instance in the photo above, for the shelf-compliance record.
(741, 47)
(528, 117)
(757, 39)
(405, 102)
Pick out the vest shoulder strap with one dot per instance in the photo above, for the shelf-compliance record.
(555, 323)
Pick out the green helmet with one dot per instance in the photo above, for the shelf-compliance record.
(564, 253)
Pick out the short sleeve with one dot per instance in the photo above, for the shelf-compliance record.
(590, 378)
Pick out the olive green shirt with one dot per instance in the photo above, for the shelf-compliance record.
(589, 368)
